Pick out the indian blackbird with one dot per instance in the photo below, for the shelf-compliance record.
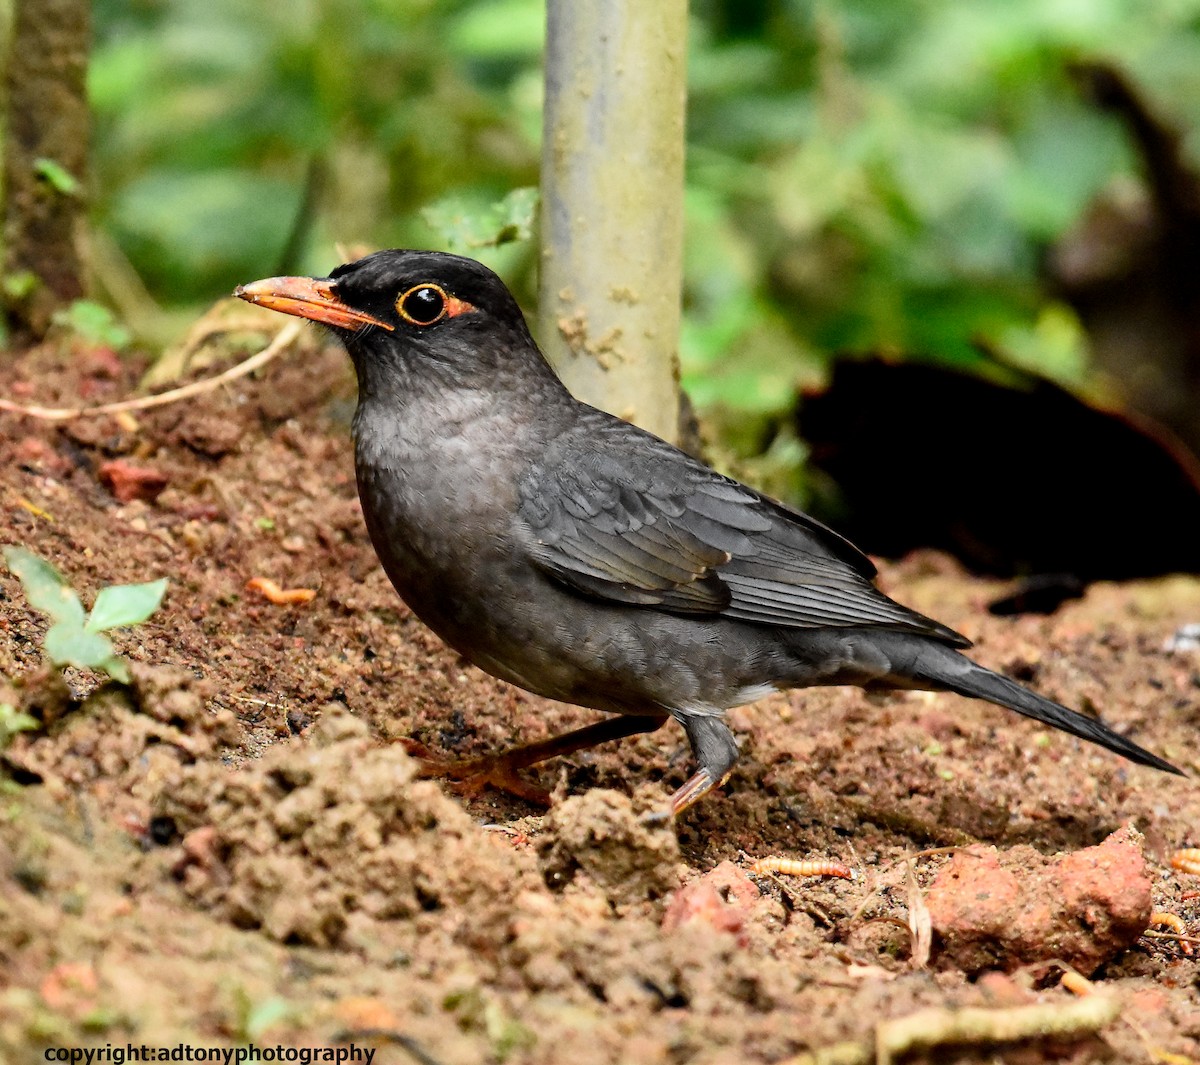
(586, 560)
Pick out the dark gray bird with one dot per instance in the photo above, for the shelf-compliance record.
(573, 554)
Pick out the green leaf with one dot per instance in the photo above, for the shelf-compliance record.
(125, 604)
(117, 668)
(45, 587)
(57, 176)
(69, 644)
(515, 214)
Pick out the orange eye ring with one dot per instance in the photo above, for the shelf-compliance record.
(423, 305)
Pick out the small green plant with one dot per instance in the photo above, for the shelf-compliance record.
(94, 323)
(76, 639)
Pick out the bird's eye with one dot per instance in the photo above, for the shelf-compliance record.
(422, 305)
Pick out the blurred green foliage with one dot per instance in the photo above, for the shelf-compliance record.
(467, 227)
(94, 323)
(75, 638)
(863, 175)
(57, 176)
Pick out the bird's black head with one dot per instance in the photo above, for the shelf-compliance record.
(405, 314)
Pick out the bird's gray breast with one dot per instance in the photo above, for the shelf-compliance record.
(438, 485)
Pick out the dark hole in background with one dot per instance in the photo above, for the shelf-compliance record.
(1012, 481)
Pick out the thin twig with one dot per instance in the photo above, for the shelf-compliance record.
(930, 852)
(259, 702)
(282, 340)
(1151, 934)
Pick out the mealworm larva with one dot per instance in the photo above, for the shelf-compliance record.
(1169, 920)
(1176, 925)
(1187, 860)
(1077, 984)
(792, 867)
(279, 596)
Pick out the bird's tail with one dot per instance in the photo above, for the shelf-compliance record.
(937, 667)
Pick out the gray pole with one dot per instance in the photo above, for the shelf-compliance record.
(612, 204)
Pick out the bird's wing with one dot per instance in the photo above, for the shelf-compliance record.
(620, 515)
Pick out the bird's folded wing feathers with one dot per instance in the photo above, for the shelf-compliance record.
(636, 521)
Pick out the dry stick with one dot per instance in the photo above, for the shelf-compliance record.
(974, 1025)
(920, 923)
(64, 414)
(1151, 934)
(929, 852)
(968, 1026)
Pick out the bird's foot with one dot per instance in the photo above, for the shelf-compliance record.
(697, 786)
(469, 777)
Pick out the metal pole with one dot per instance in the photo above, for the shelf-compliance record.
(612, 204)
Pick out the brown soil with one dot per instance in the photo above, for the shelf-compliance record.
(232, 849)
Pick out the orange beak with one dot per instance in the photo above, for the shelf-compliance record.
(306, 297)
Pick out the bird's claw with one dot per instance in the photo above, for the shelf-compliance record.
(697, 786)
(655, 818)
(500, 777)
(470, 777)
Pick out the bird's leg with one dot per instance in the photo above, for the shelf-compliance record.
(715, 750)
(500, 770)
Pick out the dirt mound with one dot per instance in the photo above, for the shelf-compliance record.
(121, 742)
(599, 835)
(327, 838)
